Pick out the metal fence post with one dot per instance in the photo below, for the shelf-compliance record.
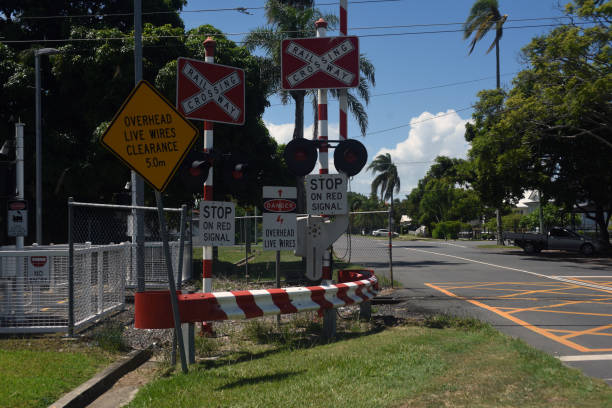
(70, 267)
(390, 243)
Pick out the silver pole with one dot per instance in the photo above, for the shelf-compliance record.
(20, 278)
(38, 151)
(171, 285)
(137, 182)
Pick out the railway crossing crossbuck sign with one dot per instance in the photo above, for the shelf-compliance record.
(322, 62)
(211, 92)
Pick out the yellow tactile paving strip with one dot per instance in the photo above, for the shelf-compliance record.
(563, 299)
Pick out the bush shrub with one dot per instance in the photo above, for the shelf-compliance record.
(447, 230)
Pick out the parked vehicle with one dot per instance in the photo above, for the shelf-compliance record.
(556, 238)
(383, 233)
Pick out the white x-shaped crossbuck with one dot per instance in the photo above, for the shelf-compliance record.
(320, 63)
(210, 92)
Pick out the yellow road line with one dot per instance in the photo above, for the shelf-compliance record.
(520, 322)
(526, 309)
(593, 330)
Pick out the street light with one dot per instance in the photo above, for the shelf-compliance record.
(37, 54)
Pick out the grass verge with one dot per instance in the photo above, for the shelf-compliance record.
(443, 362)
(35, 372)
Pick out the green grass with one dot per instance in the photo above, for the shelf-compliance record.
(36, 372)
(262, 267)
(450, 363)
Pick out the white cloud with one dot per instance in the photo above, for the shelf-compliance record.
(283, 133)
(427, 138)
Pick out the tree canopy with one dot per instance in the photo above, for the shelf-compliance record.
(85, 84)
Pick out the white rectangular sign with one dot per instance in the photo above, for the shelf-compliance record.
(279, 192)
(326, 194)
(17, 218)
(217, 223)
(39, 271)
(279, 231)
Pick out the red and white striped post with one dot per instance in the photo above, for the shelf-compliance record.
(207, 251)
(321, 26)
(342, 99)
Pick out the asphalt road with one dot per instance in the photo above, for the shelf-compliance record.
(556, 301)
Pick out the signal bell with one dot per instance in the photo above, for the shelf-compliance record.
(350, 156)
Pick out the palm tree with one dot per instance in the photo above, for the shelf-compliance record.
(485, 15)
(294, 19)
(387, 180)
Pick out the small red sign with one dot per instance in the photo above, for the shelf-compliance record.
(210, 92)
(38, 261)
(16, 205)
(322, 62)
(280, 205)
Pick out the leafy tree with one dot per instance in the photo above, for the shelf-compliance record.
(499, 162)
(484, 16)
(438, 197)
(552, 216)
(37, 20)
(561, 106)
(86, 83)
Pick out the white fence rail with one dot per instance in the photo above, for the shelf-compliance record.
(35, 295)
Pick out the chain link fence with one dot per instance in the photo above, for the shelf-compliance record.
(366, 242)
(55, 288)
(103, 224)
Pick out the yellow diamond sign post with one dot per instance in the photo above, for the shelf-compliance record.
(150, 136)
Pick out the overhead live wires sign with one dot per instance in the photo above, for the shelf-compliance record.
(149, 135)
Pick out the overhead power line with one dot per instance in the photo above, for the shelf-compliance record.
(414, 122)
(126, 38)
(238, 9)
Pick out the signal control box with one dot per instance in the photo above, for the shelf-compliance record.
(315, 234)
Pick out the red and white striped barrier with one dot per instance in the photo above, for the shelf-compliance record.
(153, 311)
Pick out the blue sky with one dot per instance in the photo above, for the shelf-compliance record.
(427, 122)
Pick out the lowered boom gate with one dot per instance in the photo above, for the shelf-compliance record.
(153, 307)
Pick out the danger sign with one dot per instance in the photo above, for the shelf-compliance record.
(323, 62)
(210, 92)
(279, 219)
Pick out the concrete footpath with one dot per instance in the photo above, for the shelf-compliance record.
(123, 378)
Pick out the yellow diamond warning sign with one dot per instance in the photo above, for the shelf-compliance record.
(149, 135)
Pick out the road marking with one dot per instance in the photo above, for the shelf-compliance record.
(592, 357)
(457, 245)
(554, 277)
(515, 319)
